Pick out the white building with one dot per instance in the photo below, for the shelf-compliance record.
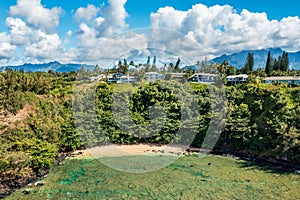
(177, 75)
(295, 80)
(127, 79)
(97, 78)
(152, 76)
(203, 78)
(237, 79)
(113, 78)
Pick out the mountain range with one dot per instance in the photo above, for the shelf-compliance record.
(237, 60)
(260, 57)
(44, 67)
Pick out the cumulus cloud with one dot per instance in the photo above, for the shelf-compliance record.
(36, 15)
(115, 18)
(20, 32)
(6, 48)
(87, 13)
(45, 46)
(32, 28)
(112, 21)
(39, 45)
(220, 29)
(100, 41)
(172, 18)
(105, 49)
(192, 34)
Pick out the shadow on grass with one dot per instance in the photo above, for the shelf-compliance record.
(267, 167)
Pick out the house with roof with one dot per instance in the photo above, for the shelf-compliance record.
(203, 78)
(294, 80)
(97, 78)
(175, 76)
(237, 79)
(153, 76)
(127, 79)
(113, 78)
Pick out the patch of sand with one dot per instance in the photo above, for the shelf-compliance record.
(136, 149)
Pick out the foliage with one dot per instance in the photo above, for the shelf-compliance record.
(267, 118)
(249, 63)
(41, 129)
(269, 64)
(130, 120)
(261, 119)
(277, 66)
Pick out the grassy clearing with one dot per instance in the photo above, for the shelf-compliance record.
(186, 178)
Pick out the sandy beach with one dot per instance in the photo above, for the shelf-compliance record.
(135, 149)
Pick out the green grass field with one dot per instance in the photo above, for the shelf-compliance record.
(186, 178)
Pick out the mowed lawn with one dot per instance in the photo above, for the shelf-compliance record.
(189, 177)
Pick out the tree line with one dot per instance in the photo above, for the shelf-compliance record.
(279, 64)
(274, 66)
(260, 119)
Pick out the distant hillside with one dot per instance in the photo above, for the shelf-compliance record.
(260, 57)
(190, 67)
(55, 66)
(236, 59)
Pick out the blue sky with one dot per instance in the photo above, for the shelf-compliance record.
(46, 30)
(139, 10)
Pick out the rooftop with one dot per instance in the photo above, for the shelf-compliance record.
(282, 78)
(237, 76)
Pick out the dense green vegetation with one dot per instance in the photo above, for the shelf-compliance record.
(43, 128)
(186, 178)
(138, 100)
(260, 119)
(264, 119)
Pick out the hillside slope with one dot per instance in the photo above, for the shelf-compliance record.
(260, 58)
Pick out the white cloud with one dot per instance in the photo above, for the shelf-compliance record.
(114, 20)
(36, 15)
(33, 32)
(287, 33)
(45, 46)
(39, 45)
(20, 32)
(99, 41)
(67, 38)
(6, 49)
(87, 13)
(32, 27)
(105, 49)
(69, 33)
(172, 18)
(98, 21)
(194, 34)
(87, 36)
(220, 29)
